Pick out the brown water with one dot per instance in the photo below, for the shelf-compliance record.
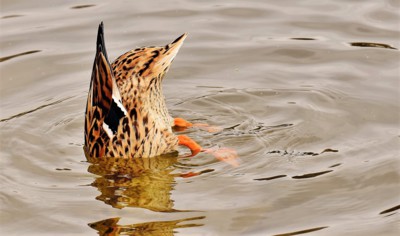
(307, 93)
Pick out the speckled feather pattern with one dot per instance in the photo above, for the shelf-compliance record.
(145, 129)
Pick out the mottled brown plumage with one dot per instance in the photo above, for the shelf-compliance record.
(126, 115)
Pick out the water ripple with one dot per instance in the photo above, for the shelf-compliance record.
(311, 175)
(83, 6)
(35, 109)
(371, 45)
(302, 231)
(395, 208)
(2, 59)
(11, 16)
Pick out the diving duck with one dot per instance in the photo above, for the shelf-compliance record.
(126, 114)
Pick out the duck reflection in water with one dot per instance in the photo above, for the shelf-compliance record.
(137, 182)
(110, 227)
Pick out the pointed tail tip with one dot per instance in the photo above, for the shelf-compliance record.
(100, 44)
(180, 38)
(184, 36)
(100, 31)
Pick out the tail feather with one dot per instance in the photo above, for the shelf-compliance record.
(104, 108)
(101, 46)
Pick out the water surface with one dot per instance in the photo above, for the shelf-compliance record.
(307, 92)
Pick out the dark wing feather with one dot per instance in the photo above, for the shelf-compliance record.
(104, 108)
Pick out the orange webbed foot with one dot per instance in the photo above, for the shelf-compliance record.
(227, 155)
(208, 128)
(179, 122)
(224, 154)
(183, 124)
(190, 143)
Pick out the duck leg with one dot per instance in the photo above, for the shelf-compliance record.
(180, 122)
(190, 143)
(183, 124)
(227, 155)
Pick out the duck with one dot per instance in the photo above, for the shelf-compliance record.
(126, 113)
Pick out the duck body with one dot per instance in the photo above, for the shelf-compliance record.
(126, 114)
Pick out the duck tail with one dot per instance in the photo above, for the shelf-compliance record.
(104, 108)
